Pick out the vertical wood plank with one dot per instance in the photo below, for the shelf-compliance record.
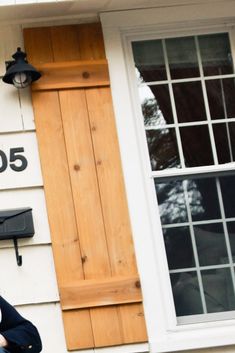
(133, 323)
(38, 45)
(88, 206)
(78, 331)
(91, 41)
(57, 186)
(65, 43)
(106, 327)
(110, 180)
(65, 242)
(113, 200)
(84, 184)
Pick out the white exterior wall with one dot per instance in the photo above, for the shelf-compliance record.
(32, 288)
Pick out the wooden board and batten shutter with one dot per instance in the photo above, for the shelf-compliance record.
(91, 238)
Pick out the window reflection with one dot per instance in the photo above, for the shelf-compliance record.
(216, 54)
(178, 247)
(203, 199)
(163, 150)
(224, 135)
(189, 102)
(156, 105)
(211, 246)
(182, 57)
(218, 289)
(186, 293)
(172, 203)
(231, 232)
(228, 194)
(149, 60)
(196, 146)
(221, 100)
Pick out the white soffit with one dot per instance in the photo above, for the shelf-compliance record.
(20, 11)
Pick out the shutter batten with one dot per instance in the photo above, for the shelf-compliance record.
(93, 293)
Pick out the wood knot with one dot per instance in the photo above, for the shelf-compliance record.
(99, 162)
(76, 167)
(85, 74)
(140, 314)
(84, 259)
(137, 284)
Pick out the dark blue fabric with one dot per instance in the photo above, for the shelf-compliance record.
(3, 350)
(21, 334)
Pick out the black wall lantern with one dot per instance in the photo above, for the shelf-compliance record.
(19, 73)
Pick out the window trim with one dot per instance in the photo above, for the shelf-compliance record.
(119, 29)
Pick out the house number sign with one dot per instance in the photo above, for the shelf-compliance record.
(15, 160)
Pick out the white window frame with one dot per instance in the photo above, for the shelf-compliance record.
(120, 28)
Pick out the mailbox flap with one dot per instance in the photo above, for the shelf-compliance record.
(5, 214)
(16, 223)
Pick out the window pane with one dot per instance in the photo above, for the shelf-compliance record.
(182, 57)
(218, 289)
(163, 150)
(186, 293)
(231, 232)
(202, 196)
(156, 105)
(189, 102)
(224, 135)
(211, 244)
(221, 100)
(203, 199)
(196, 146)
(216, 54)
(171, 201)
(149, 60)
(178, 247)
(228, 194)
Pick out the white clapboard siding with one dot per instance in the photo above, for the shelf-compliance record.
(11, 38)
(26, 109)
(10, 112)
(16, 111)
(48, 319)
(35, 199)
(34, 281)
(31, 176)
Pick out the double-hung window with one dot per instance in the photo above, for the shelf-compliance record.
(174, 97)
(187, 93)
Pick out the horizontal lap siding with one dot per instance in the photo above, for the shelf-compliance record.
(32, 288)
(84, 188)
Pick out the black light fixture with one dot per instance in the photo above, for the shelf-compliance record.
(19, 73)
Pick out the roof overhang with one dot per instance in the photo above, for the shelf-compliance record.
(42, 10)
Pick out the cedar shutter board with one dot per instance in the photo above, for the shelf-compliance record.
(87, 208)
(72, 74)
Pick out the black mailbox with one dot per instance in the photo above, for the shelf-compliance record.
(15, 224)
